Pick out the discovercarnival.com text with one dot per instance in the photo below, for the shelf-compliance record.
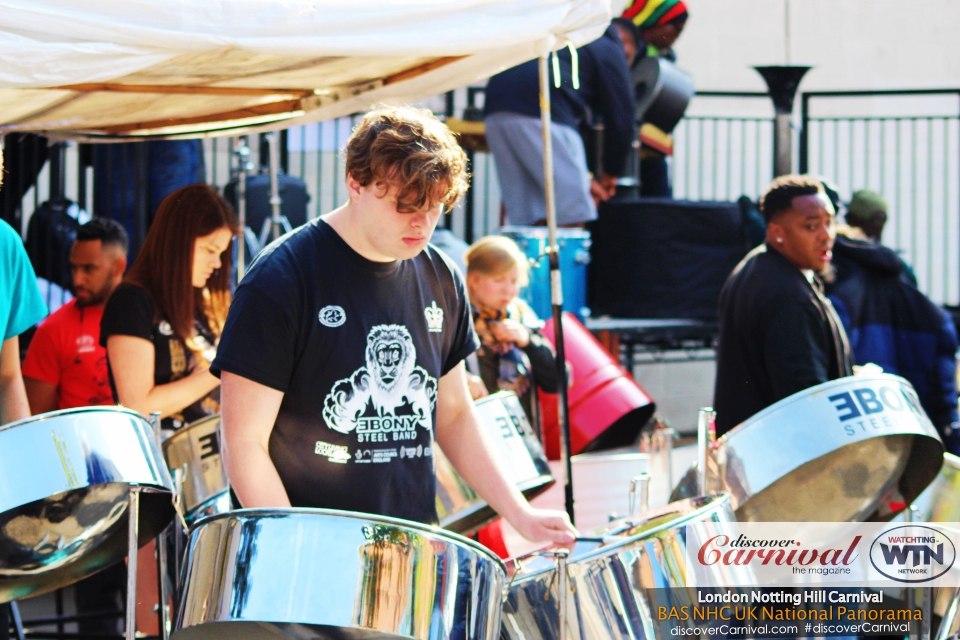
(809, 629)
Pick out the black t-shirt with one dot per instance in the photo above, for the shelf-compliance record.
(131, 312)
(358, 348)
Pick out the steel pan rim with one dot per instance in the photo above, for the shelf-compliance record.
(595, 457)
(181, 433)
(62, 412)
(951, 460)
(758, 418)
(353, 515)
(712, 502)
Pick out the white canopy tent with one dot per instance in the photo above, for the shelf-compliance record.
(122, 69)
(116, 70)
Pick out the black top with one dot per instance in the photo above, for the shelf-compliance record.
(358, 348)
(130, 312)
(516, 369)
(778, 335)
(606, 90)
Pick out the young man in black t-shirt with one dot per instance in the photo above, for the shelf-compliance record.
(342, 355)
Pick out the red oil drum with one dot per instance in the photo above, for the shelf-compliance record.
(607, 408)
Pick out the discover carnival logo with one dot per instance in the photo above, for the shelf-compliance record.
(912, 553)
(742, 551)
(785, 554)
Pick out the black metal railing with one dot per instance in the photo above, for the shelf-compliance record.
(722, 150)
(911, 157)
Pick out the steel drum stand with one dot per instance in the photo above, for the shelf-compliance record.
(706, 435)
(950, 616)
(924, 595)
(133, 534)
(242, 153)
(643, 482)
(16, 620)
(556, 289)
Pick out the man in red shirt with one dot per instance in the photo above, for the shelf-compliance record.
(65, 365)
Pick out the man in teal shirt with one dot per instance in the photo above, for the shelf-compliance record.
(20, 309)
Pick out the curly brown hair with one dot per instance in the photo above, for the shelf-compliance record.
(410, 150)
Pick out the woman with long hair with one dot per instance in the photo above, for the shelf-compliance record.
(162, 324)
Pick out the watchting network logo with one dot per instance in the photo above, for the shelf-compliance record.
(912, 553)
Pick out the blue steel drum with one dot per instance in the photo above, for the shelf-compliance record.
(64, 481)
(574, 250)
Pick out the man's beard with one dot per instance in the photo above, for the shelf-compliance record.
(96, 297)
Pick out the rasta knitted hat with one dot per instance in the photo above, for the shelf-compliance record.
(651, 13)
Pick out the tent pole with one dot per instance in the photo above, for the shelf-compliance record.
(556, 292)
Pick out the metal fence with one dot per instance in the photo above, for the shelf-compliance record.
(911, 155)
(723, 149)
(722, 157)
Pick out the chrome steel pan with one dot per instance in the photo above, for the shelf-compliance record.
(323, 574)
(196, 449)
(612, 574)
(64, 480)
(939, 502)
(852, 449)
(663, 92)
(459, 508)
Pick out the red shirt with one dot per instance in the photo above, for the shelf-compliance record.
(66, 352)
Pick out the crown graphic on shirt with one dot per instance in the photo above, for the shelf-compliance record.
(434, 316)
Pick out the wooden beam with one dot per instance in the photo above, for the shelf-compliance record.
(421, 69)
(270, 108)
(89, 87)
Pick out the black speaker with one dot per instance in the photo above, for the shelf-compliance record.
(663, 258)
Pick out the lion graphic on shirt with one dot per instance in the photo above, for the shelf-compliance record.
(389, 393)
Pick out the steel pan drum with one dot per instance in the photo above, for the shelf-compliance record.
(835, 452)
(939, 502)
(64, 481)
(611, 574)
(459, 508)
(196, 449)
(663, 92)
(322, 574)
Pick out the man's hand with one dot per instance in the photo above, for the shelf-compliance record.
(544, 525)
(597, 192)
(609, 184)
(511, 331)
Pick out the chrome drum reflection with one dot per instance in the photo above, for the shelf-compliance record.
(617, 575)
(64, 480)
(317, 573)
(196, 449)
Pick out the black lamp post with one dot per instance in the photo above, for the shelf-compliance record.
(782, 83)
